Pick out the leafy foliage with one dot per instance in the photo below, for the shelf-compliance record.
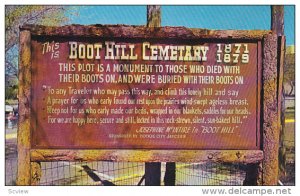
(11, 92)
(16, 16)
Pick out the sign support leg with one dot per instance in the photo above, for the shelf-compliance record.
(24, 127)
(252, 175)
(36, 173)
(270, 111)
(153, 170)
(170, 174)
(152, 174)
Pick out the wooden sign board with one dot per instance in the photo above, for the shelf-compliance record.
(132, 93)
(129, 93)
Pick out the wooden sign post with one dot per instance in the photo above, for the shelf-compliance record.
(153, 170)
(145, 94)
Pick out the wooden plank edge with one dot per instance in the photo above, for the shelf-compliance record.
(270, 111)
(234, 156)
(23, 139)
(131, 31)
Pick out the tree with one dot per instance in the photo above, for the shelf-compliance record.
(16, 16)
(289, 72)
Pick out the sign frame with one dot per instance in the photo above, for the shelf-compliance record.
(29, 169)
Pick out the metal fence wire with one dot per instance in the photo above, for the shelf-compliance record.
(97, 173)
(210, 174)
(65, 173)
(91, 173)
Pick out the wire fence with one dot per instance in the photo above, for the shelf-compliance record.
(66, 173)
(63, 173)
(91, 173)
(210, 174)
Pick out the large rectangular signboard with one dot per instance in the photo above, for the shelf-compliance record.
(127, 93)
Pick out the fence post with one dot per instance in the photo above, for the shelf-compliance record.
(272, 108)
(153, 16)
(152, 174)
(270, 112)
(153, 170)
(24, 126)
(281, 104)
(272, 101)
(277, 27)
(36, 173)
(252, 175)
(170, 174)
(277, 20)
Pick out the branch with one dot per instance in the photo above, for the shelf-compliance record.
(11, 68)
(26, 18)
(42, 12)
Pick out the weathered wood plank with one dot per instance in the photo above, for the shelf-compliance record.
(127, 31)
(235, 156)
(270, 111)
(36, 173)
(153, 170)
(153, 16)
(280, 103)
(277, 19)
(23, 176)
